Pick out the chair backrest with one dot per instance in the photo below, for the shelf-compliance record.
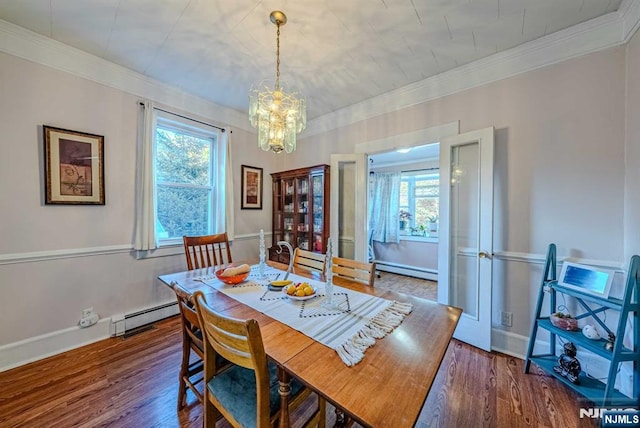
(190, 321)
(207, 251)
(354, 270)
(308, 260)
(238, 341)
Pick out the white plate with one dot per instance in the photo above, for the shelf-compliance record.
(315, 293)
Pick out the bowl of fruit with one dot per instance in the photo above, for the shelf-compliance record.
(300, 291)
(233, 275)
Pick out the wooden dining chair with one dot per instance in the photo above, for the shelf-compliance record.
(206, 251)
(191, 372)
(353, 270)
(246, 394)
(308, 260)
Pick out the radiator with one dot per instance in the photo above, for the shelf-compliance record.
(124, 325)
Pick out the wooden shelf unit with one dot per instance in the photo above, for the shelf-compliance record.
(300, 210)
(599, 393)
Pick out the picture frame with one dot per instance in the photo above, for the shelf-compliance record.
(586, 279)
(73, 167)
(251, 188)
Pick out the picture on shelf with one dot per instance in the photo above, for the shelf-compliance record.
(587, 279)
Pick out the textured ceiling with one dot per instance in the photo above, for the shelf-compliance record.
(337, 53)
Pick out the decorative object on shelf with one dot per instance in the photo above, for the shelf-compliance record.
(328, 285)
(433, 223)
(590, 332)
(290, 248)
(73, 167)
(278, 114)
(263, 255)
(251, 188)
(404, 216)
(609, 345)
(569, 366)
(564, 321)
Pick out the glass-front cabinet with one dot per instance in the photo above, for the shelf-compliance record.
(300, 210)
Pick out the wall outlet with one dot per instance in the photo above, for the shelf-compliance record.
(89, 318)
(86, 313)
(506, 319)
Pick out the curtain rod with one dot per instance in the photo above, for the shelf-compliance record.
(185, 117)
(421, 169)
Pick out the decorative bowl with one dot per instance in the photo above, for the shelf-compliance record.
(231, 280)
(565, 321)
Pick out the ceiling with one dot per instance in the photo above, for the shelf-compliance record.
(338, 53)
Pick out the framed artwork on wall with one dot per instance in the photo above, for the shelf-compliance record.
(73, 167)
(251, 188)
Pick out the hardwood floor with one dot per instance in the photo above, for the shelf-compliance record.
(134, 383)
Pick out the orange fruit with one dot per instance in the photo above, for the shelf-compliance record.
(308, 291)
(300, 292)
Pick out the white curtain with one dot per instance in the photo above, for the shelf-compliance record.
(384, 207)
(145, 228)
(226, 202)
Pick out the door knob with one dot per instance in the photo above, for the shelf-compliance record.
(484, 255)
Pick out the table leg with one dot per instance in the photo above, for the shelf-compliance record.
(284, 389)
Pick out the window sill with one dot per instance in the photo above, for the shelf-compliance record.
(165, 249)
(430, 239)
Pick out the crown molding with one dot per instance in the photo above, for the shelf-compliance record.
(630, 14)
(594, 35)
(26, 44)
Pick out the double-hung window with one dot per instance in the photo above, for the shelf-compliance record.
(188, 173)
(420, 197)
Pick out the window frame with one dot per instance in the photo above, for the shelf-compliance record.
(191, 127)
(410, 177)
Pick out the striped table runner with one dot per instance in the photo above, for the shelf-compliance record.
(352, 326)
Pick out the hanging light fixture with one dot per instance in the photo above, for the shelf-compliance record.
(277, 113)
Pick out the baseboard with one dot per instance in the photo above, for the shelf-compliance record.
(416, 272)
(36, 348)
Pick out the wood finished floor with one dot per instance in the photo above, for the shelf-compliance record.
(133, 383)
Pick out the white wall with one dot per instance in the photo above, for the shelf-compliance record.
(632, 155)
(51, 257)
(559, 165)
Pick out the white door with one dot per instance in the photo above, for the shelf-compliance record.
(348, 206)
(466, 232)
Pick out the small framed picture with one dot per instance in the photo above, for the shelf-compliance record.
(251, 188)
(73, 167)
(586, 279)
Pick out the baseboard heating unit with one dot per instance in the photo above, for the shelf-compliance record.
(135, 322)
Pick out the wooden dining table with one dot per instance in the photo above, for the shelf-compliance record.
(386, 389)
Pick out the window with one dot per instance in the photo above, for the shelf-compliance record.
(187, 174)
(420, 197)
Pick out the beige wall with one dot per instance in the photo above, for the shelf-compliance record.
(47, 296)
(559, 164)
(632, 156)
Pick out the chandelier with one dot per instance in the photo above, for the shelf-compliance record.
(278, 114)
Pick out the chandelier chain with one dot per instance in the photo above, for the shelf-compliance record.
(278, 57)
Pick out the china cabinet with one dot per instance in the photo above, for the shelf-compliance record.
(300, 210)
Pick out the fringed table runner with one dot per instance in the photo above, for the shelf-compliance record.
(350, 327)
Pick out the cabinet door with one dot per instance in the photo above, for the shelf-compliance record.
(302, 213)
(277, 218)
(288, 209)
(317, 211)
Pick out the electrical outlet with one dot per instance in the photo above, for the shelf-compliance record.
(86, 313)
(506, 319)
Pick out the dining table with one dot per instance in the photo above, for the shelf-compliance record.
(386, 389)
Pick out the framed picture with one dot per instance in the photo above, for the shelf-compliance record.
(251, 188)
(73, 167)
(586, 279)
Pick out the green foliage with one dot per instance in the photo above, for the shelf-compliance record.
(182, 162)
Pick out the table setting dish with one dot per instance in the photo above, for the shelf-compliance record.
(233, 275)
(279, 284)
(300, 291)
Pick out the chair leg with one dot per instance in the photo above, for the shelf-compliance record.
(211, 413)
(184, 371)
